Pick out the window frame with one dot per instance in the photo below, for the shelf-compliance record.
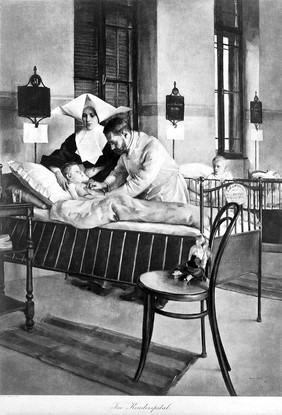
(221, 31)
(99, 7)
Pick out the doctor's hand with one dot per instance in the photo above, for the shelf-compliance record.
(96, 185)
(61, 180)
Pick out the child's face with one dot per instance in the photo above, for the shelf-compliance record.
(219, 167)
(75, 175)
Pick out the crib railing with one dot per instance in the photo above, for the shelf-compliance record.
(211, 195)
(272, 194)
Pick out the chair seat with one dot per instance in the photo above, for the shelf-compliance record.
(165, 285)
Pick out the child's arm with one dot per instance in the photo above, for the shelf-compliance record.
(72, 191)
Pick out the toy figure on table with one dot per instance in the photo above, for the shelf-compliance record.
(195, 266)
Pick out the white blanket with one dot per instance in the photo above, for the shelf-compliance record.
(90, 213)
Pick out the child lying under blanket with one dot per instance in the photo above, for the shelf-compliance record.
(91, 211)
(90, 208)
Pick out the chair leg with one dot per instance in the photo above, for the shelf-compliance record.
(147, 331)
(203, 331)
(221, 356)
(217, 334)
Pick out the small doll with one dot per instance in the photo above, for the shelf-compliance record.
(197, 261)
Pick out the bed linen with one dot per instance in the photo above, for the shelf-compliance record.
(43, 215)
(89, 213)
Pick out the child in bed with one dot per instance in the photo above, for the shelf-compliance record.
(219, 175)
(220, 171)
(77, 181)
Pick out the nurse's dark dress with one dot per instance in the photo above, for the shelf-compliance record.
(67, 153)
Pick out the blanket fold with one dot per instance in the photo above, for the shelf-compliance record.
(89, 213)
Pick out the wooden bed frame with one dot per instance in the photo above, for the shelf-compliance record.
(122, 255)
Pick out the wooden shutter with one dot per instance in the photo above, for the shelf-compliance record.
(86, 47)
(103, 51)
(118, 60)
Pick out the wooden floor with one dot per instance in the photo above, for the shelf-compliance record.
(101, 355)
(271, 247)
(271, 286)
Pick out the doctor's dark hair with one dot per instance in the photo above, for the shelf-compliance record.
(116, 125)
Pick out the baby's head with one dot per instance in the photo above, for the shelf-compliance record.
(219, 164)
(73, 173)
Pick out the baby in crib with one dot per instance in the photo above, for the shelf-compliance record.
(220, 171)
(78, 182)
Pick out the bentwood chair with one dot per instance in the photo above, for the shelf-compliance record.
(162, 285)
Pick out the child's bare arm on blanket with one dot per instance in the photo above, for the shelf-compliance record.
(73, 191)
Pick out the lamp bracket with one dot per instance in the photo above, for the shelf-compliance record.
(35, 79)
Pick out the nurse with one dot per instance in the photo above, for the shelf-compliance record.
(88, 146)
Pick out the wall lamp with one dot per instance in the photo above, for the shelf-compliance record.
(256, 119)
(34, 100)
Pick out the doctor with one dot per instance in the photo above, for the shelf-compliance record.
(145, 169)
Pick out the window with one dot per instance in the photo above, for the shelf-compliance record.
(105, 51)
(228, 78)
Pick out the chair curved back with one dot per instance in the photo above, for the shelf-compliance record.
(228, 216)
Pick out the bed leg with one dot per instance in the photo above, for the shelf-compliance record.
(259, 299)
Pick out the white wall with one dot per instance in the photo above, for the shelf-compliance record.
(34, 33)
(251, 70)
(186, 55)
(271, 83)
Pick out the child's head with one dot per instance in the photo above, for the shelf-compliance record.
(219, 164)
(201, 240)
(73, 173)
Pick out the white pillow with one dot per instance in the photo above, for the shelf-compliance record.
(39, 180)
(195, 170)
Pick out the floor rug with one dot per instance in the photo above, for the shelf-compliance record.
(271, 286)
(101, 355)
